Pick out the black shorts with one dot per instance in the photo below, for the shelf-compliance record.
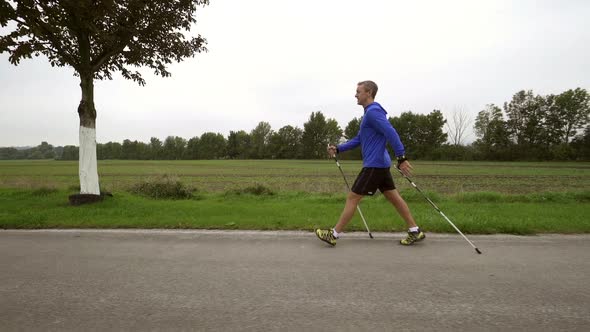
(370, 179)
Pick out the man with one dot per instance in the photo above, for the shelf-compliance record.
(375, 132)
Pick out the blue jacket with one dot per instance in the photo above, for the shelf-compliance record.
(374, 133)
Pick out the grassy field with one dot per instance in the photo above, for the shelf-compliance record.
(310, 176)
(480, 197)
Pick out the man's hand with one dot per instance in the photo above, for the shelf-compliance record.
(332, 150)
(405, 167)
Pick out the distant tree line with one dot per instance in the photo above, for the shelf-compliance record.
(529, 127)
(535, 127)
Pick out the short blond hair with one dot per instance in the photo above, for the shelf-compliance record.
(370, 86)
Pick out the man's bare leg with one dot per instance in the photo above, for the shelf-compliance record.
(352, 200)
(400, 205)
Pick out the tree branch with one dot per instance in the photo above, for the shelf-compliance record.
(51, 39)
(104, 57)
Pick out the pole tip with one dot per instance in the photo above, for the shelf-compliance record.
(479, 252)
(371, 235)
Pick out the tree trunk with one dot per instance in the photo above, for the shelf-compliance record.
(88, 169)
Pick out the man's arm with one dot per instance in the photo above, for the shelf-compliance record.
(381, 125)
(353, 143)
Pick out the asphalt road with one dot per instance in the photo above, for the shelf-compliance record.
(80, 280)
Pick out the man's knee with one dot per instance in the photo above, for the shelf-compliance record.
(352, 196)
(392, 195)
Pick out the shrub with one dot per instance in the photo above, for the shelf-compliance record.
(44, 191)
(257, 190)
(163, 187)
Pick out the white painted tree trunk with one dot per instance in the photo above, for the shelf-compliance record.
(88, 169)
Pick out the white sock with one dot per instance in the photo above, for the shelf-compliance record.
(336, 234)
(414, 229)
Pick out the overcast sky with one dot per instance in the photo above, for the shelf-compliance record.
(278, 61)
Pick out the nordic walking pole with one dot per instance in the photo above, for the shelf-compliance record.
(358, 208)
(437, 209)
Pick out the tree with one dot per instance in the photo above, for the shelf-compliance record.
(259, 140)
(492, 133)
(70, 152)
(143, 151)
(180, 144)
(569, 112)
(131, 150)
(421, 134)
(211, 146)
(317, 133)
(433, 134)
(581, 145)
(238, 144)
(113, 150)
(57, 151)
(101, 151)
(406, 126)
(45, 151)
(156, 149)
(192, 148)
(457, 126)
(97, 39)
(333, 131)
(352, 129)
(174, 148)
(286, 143)
(525, 118)
(35, 154)
(8, 153)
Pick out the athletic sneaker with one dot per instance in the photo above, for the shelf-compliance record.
(413, 237)
(326, 235)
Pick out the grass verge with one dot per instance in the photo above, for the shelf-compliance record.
(473, 213)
